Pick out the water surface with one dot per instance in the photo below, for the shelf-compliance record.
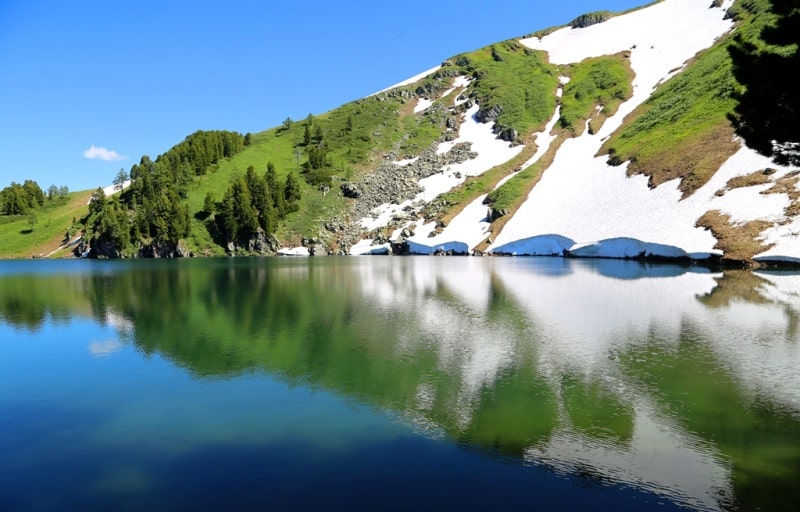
(422, 383)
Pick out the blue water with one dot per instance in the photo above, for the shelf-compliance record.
(97, 415)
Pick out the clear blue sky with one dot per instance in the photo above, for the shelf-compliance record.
(88, 87)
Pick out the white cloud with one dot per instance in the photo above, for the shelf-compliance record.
(102, 153)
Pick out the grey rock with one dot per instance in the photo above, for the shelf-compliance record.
(487, 115)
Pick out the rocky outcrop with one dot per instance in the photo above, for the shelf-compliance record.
(589, 19)
(506, 134)
(350, 190)
(167, 250)
(263, 244)
(490, 114)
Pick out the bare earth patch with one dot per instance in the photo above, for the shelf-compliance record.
(750, 180)
(788, 185)
(738, 242)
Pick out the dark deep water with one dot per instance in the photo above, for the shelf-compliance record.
(407, 383)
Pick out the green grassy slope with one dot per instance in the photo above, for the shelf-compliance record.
(26, 237)
(683, 130)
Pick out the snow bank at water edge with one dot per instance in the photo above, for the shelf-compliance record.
(540, 245)
(293, 251)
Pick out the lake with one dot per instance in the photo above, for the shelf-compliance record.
(397, 383)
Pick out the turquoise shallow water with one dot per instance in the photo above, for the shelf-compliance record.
(396, 383)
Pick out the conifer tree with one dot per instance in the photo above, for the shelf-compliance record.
(291, 192)
(276, 191)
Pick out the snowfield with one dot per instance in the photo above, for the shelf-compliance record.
(583, 206)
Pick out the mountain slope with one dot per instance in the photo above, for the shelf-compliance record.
(602, 210)
(611, 137)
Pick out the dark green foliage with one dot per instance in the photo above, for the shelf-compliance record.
(156, 200)
(109, 230)
(14, 200)
(19, 199)
(199, 150)
(238, 217)
(120, 179)
(209, 204)
(276, 190)
(261, 200)
(34, 193)
(252, 205)
(291, 192)
(317, 169)
(153, 209)
(767, 115)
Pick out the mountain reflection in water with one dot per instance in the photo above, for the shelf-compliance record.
(673, 380)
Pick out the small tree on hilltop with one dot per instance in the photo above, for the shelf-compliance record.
(120, 179)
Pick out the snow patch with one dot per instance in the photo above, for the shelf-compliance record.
(293, 251)
(364, 247)
(422, 105)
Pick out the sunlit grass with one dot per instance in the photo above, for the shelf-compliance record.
(41, 232)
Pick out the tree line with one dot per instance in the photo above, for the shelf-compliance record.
(23, 199)
(153, 210)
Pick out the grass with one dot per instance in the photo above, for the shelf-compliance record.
(596, 88)
(518, 79)
(604, 81)
(358, 134)
(21, 240)
(683, 130)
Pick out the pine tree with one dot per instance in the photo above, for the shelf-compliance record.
(276, 191)
(291, 192)
(261, 200)
(209, 204)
